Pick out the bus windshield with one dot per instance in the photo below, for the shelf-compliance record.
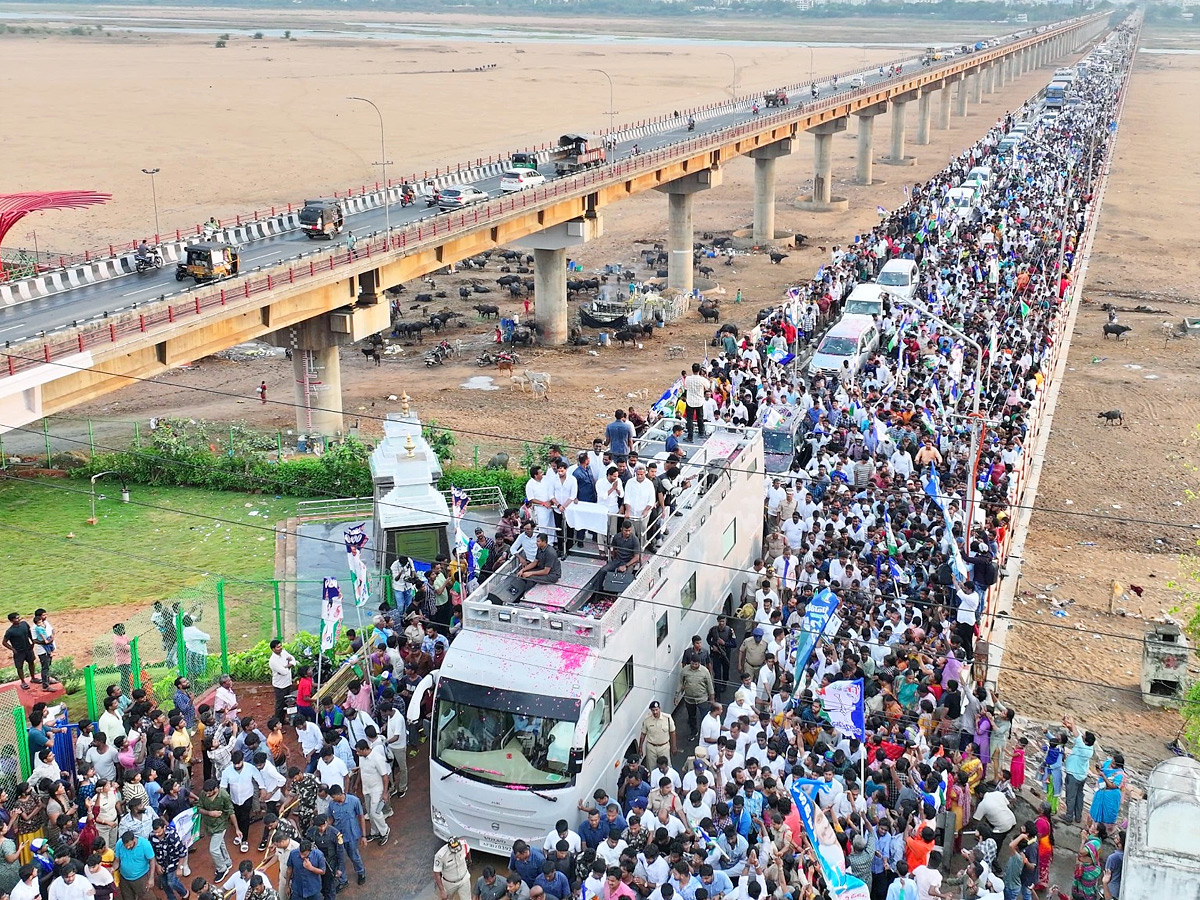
(504, 737)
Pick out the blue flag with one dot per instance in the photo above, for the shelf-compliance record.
(816, 618)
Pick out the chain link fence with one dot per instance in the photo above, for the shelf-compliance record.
(14, 746)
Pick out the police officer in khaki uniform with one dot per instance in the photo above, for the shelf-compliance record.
(658, 735)
(451, 874)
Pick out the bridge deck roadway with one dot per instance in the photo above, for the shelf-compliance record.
(79, 345)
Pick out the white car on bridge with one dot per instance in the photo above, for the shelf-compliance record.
(519, 179)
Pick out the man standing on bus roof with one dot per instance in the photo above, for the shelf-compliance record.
(658, 734)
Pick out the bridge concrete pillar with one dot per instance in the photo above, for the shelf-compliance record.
(943, 113)
(976, 82)
(990, 73)
(681, 194)
(1001, 68)
(900, 104)
(368, 286)
(550, 248)
(764, 188)
(318, 391)
(924, 111)
(960, 98)
(866, 141)
(822, 199)
(316, 369)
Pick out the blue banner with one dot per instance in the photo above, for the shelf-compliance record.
(841, 884)
(816, 618)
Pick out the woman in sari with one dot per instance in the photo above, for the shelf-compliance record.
(972, 767)
(1045, 842)
(1106, 802)
(1088, 868)
(958, 803)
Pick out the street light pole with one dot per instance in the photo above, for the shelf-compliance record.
(732, 83)
(124, 494)
(383, 164)
(154, 197)
(611, 112)
(810, 63)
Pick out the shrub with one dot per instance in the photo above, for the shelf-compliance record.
(511, 484)
(220, 44)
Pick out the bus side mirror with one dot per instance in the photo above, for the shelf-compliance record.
(575, 761)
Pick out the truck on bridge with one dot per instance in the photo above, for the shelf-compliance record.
(577, 152)
(775, 98)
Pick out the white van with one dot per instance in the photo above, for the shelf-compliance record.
(900, 277)
(850, 341)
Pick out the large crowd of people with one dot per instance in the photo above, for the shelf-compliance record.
(899, 502)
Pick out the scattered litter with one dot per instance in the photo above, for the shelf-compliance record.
(1069, 502)
(1116, 506)
(1151, 377)
(393, 397)
(1133, 366)
(1058, 613)
(253, 512)
(1087, 543)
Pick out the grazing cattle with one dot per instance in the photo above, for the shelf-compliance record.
(372, 352)
(424, 298)
(722, 241)
(706, 271)
(409, 330)
(522, 336)
(514, 291)
(799, 239)
(505, 280)
(464, 293)
(485, 311)
(1114, 329)
(624, 336)
(499, 461)
(708, 313)
(441, 295)
(661, 257)
(504, 364)
(1112, 417)
(661, 273)
(777, 258)
(523, 270)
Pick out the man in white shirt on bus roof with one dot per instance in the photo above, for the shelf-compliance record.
(640, 498)
(694, 387)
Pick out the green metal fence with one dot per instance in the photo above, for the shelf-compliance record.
(196, 632)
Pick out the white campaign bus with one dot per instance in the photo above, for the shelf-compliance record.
(538, 699)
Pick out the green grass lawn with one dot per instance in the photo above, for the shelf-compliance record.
(163, 541)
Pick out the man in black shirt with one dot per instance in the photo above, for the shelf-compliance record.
(18, 640)
(544, 568)
(624, 549)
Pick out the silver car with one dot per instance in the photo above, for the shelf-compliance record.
(457, 198)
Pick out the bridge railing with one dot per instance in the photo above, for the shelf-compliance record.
(110, 329)
(65, 261)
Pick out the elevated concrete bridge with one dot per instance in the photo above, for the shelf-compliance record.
(84, 343)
